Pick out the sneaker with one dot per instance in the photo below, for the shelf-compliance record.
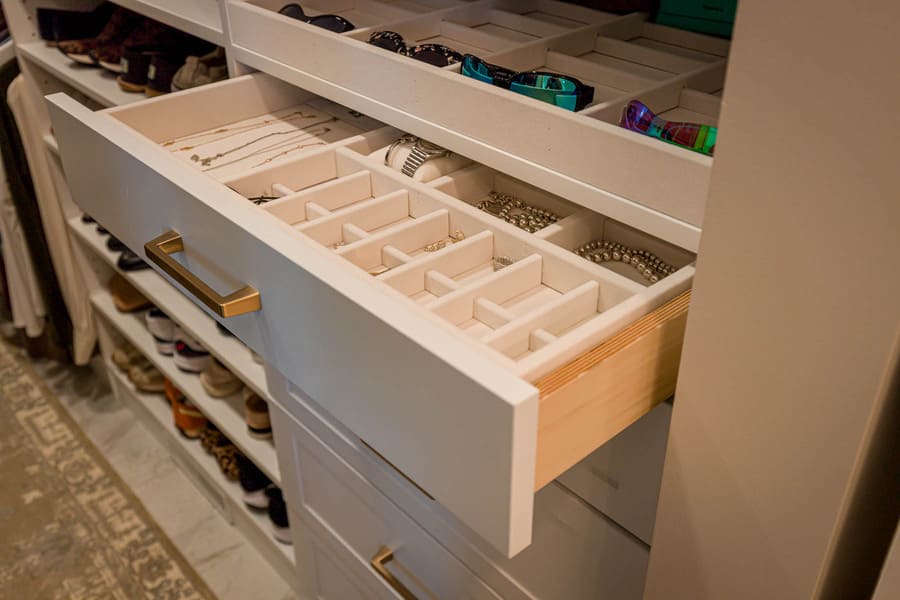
(190, 356)
(253, 483)
(121, 23)
(162, 328)
(125, 296)
(256, 413)
(218, 381)
(200, 70)
(188, 420)
(146, 377)
(278, 515)
(126, 356)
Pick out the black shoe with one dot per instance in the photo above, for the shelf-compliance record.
(102, 230)
(129, 261)
(86, 218)
(254, 483)
(278, 515)
(114, 244)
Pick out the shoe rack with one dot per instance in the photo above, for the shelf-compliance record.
(155, 411)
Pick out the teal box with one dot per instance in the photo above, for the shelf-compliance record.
(715, 17)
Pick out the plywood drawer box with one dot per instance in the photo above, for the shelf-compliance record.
(584, 156)
(480, 359)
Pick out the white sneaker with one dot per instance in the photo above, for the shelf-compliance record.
(162, 328)
(189, 355)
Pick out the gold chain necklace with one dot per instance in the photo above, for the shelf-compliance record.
(236, 129)
(208, 160)
(275, 146)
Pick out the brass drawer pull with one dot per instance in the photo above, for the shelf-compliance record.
(159, 251)
(379, 563)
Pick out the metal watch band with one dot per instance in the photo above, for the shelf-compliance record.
(417, 157)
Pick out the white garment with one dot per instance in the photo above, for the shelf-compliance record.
(55, 206)
(26, 302)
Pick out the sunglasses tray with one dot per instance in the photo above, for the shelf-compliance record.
(374, 285)
(585, 156)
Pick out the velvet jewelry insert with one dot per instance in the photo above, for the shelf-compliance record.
(528, 303)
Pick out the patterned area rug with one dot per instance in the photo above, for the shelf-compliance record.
(69, 527)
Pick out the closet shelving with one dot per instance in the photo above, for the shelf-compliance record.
(97, 84)
(155, 411)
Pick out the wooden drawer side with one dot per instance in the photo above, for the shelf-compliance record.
(589, 401)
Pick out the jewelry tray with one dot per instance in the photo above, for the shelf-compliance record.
(585, 156)
(531, 316)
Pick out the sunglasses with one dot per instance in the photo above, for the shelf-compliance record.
(693, 136)
(561, 90)
(335, 23)
(434, 54)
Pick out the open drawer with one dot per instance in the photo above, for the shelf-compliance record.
(481, 359)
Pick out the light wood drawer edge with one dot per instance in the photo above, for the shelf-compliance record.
(589, 401)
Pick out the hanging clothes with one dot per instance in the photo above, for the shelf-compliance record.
(27, 107)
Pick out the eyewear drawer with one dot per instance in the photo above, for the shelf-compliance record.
(480, 359)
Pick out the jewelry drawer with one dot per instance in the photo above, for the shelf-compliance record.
(336, 503)
(577, 553)
(481, 359)
(585, 155)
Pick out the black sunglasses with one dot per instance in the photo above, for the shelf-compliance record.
(335, 23)
(561, 90)
(434, 54)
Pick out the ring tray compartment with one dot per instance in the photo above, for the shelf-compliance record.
(458, 321)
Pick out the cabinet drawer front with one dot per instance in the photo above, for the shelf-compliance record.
(576, 552)
(470, 435)
(338, 501)
(622, 478)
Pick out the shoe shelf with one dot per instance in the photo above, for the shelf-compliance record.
(97, 84)
(200, 18)
(155, 413)
(228, 349)
(226, 413)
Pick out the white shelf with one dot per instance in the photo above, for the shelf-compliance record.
(96, 83)
(156, 414)
(200, 18)
(228, 349)
(226, 413)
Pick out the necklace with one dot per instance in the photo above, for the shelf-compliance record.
(650, 266)
(236, 129)
(275, 146)
(208, 160)
(289, 150)
(518, 212)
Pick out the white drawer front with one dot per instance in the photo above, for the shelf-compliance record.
(576, 553)
(483, 383)
(622, 478)
(341, 503)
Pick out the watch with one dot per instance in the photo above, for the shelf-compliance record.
(421, 152)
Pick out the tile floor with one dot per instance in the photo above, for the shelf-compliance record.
(231, 567)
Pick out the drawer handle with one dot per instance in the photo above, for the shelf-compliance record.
(379, 563)
(160, 249)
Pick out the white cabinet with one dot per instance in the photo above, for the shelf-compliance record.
(479, 358)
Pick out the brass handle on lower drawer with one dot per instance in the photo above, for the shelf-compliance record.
(379, 562)
(160, 249)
